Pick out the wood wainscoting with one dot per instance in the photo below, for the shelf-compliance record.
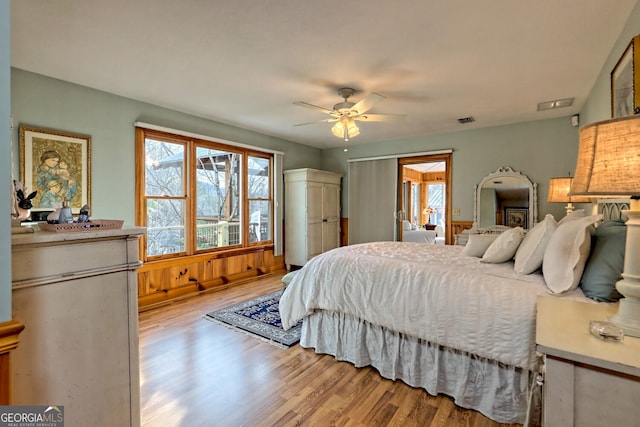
(457, 227)
(162, 281)
(9, 332)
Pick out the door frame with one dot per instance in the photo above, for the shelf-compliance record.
(430, 158)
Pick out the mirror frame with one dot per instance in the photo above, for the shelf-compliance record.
(503, 172)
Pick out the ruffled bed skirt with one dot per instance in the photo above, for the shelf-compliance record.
(503, 393)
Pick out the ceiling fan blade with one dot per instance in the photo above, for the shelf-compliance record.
(380, 117)
(368, 102)
(313, 107)
(319, 121)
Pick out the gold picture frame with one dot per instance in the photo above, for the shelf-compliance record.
(57, 165)
(625, 87)
(517, 217)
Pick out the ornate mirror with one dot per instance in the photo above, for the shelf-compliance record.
(505, 197)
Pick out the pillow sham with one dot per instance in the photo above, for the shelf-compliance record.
(566, 254)
(531, 251)
(478, 243)
(605, 264)
(577, 214)
(504, 247)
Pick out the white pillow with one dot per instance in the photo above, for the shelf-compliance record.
(567, 253)
(478, 243)
(577, 214)
(504, 247)
(406, 225)
(531, 251)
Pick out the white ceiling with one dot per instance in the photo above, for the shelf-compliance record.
(244, 62)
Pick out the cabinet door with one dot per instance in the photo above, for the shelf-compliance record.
(315, 200)
(331, 202)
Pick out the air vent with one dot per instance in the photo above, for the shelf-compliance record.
(558, 103)
(464, 120)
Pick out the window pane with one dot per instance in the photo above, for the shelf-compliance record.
(258, 178)
(260, 224)
(165, 226)
(217, 198)
(436, 194)
(415, 203)
(164, 168)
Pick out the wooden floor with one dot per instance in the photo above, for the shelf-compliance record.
(197, 373)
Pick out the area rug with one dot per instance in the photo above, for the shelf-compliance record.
(258, 317)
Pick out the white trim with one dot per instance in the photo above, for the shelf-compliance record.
(204, 137)
(400, 156)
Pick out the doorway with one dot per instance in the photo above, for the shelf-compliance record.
(424, 195)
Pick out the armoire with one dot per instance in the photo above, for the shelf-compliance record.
(311, 214)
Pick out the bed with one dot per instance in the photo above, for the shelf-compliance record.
(436, 318)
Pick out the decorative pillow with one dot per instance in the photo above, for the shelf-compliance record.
(606, 262)
(478, 243)
(406, 225)
(504, 247)
(567, 253)
(577, 214)
(287, 278)
(531, 250)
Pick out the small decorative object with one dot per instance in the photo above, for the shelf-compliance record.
(23, 203)
(65, 216)
(52, 218)
(84, 214)
(606, 331)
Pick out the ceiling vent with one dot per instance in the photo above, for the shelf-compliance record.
(465, 120)
(558, 103)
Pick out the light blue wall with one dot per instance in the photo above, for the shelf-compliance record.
(49, 103)
(5, 165)
(540, 150)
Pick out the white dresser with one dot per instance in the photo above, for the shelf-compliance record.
(587, 382)
(312, 214)
(76, 294)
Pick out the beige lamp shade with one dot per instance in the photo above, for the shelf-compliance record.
(609, 159)
(559, 192)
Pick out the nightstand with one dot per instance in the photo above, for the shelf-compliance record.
(587, 381)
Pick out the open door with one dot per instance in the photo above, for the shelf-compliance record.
(424, 198)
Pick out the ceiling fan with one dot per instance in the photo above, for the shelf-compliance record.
(346, 113)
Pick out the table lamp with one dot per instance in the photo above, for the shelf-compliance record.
(609, 165)
(559, 193)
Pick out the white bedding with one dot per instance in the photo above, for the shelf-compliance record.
(425, 291)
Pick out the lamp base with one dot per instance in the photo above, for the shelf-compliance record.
(628, 316)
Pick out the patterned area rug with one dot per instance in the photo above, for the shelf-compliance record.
(258, 317)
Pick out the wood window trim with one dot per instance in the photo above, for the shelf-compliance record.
(191, 143)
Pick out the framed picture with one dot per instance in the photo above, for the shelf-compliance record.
(625, 90)
(517, 217)
(57, 165)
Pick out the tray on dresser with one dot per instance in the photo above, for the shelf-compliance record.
(93, 225)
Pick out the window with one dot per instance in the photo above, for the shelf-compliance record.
(201, 195)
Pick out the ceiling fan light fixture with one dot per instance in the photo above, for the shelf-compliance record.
(345, 128)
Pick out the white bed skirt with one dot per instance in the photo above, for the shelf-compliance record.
(503, 393)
